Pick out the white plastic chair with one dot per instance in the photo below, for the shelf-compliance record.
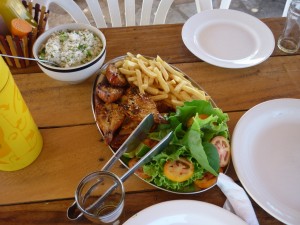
(207, 5)
(114, 11)
(286, 8)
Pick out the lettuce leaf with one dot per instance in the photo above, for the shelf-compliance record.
(191, 142)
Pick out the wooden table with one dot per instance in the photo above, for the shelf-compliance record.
(41, 193)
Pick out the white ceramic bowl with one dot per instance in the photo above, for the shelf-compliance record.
(74, 74)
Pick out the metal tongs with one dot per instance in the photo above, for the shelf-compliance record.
(135, 138)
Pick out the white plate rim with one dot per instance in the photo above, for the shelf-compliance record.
(153, 213)
(270, 107)
(253, 24)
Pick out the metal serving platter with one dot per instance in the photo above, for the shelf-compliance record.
(99, 78)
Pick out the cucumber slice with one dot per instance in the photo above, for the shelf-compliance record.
(141, 150)
(129, 155)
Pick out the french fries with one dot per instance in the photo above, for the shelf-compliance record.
(159, 79)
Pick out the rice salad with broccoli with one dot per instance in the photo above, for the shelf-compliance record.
(71, 48)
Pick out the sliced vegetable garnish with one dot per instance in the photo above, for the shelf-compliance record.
(178, 170)
(223, 147)
(190, 155)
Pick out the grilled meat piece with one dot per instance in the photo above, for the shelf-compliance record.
(117, 141)
(114, 77)
(126, 129)
(163, 107)
(128, 126)
(110, 117)
(138, 105)
(108, 93)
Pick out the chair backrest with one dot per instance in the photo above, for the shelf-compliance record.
(113, 6)
(114, 11)
(286, 8)
(207, 4)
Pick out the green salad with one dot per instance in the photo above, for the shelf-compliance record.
(198, 151)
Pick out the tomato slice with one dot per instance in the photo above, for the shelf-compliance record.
(223, 147)
(178, 170)
(205, 182)
(140, 172)
(149, 142)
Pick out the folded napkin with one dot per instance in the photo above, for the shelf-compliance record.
(237, 199)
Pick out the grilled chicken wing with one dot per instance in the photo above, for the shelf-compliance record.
(110, 117)
(127, 128)
(114, 77)
(138, 105)
(108, 93)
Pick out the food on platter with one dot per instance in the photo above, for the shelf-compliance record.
(131, 87)
(159, 79)
(70, 48)
(198, 151)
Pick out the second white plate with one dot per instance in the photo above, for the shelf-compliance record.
(228, 38)
(184, 212)
(266, 156)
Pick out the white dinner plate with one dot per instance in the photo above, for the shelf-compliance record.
(266, 157)
(228, 38)
(184, 212)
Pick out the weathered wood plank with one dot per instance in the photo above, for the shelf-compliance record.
(68, 154)
(54, 212)
(166, 37)
(54, 103)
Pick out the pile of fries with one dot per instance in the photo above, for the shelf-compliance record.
(160, 80)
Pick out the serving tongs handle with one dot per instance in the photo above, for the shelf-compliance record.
(73, 213)
(134, 139)
(149, 155)
(145, 159)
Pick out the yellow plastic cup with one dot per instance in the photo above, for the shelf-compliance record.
(20, 139)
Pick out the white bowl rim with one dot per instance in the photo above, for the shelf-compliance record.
(76, 26)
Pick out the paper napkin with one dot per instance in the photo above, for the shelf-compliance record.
(237, 200)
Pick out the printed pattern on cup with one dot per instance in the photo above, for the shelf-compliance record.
(20, 139)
